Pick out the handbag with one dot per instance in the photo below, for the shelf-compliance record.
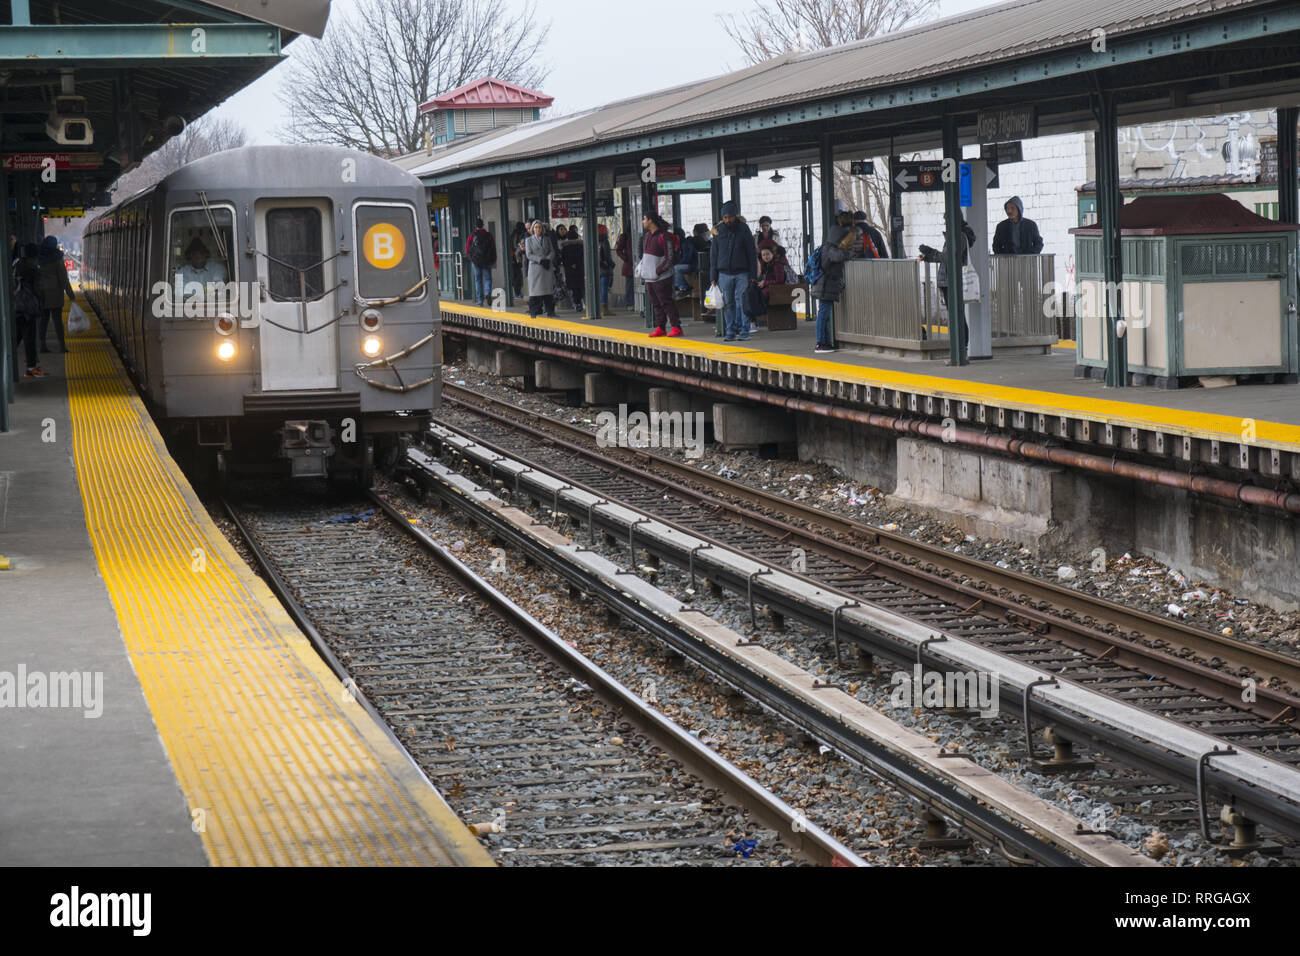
(970, 284)
(755, 304)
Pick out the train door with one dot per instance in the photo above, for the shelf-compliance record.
(298, 276)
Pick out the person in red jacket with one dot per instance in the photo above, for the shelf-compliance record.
(623, 249)
(481, 250)
(657, 271)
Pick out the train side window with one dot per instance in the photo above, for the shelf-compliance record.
(293, 250)
(389, 259)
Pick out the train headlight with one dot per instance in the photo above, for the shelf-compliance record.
(224, 324)
(371, 345)
(371, 320)
(226, 351)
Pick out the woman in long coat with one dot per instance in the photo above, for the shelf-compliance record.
(540, 250)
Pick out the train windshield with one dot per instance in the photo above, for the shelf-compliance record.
(389, 260)
(201, 247)
(295, 263)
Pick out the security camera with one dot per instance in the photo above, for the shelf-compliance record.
(68, 124)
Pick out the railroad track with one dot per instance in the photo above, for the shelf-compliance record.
(1078, 619)
(549, 759)
(943, 782)
(1066, 645)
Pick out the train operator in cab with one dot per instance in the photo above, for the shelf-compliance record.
(199, 268)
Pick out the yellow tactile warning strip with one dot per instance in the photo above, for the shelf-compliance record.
(277, 764)
(1124, 414)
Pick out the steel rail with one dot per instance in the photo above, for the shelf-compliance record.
(1152, 755)
(1071, 621)
(930, 790)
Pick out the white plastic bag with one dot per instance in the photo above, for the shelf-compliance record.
(970, 284)
(714, 299)
(77, 321)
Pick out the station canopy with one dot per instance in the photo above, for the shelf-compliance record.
(1041, 61)
(144, 68)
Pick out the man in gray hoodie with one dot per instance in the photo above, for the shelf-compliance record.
(1016, 235)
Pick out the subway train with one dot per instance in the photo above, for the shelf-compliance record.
(275, 307)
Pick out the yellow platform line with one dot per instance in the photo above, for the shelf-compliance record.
(283, 765)
(1175, 421)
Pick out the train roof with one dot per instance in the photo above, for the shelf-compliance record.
(286, 166)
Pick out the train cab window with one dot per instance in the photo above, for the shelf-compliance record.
(200, 246)
(294, 259)
(388, 264)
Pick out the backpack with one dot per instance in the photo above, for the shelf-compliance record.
(480, 249)
(812, 269)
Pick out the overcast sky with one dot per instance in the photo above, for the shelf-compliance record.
(597, 51)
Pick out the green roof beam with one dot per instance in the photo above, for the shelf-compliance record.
(84, 44)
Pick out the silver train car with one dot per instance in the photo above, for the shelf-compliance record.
(275, 306)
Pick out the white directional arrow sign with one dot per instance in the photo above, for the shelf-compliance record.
(925, 176)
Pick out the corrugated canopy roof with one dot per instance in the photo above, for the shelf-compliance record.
(945, 48)
(300, 16)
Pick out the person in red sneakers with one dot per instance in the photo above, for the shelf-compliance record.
(657, 271)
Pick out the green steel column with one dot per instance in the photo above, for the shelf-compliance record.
(506, 253)
(22, 16)
(715, 200)
(677, 209)
(826, 165)
(591, 248)
(1288, 179)
(735, 193)
(8, 354)
(1109, 203)
(649, 204)
(626, 196)
(952, 265)
(895, 210)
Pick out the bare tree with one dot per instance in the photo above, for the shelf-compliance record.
(206, 135)
(361, 86)
(788, 25)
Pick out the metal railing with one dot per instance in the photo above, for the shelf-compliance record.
(894, 304)
(451, 274)
(891, 304)
(1018, 295)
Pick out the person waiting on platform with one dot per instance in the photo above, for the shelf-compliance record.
(54, 286)
(733, 264)
(623, 249)
(572, 255)
(1016, 235)
(542, 256)
(657, 271)
(773, 266)
(828, 281)
(606, 266)
(872, 243)
(517, 237)
(481, 251)
(765, 232)
(27, 307)
(689, 264)
(199, 268)
(965, 239)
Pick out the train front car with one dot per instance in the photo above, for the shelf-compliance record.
(297, 324)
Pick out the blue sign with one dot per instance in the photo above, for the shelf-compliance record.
(964, 177)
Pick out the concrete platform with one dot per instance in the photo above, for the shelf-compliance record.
(1029, 382)
(213, 732)
(1014, 448)
(77, 790)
